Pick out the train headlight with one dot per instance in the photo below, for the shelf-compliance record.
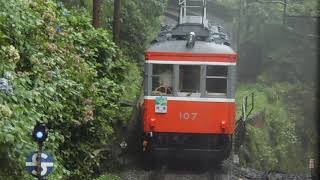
(223, 124)
(152, 122)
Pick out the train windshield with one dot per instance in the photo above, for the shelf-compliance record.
(189, 84)
(190, 80)
(216, 80)
(162, 78)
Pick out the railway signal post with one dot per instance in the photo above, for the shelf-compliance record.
(38, 163)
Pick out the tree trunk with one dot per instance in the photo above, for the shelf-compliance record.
(116, 21)
(82, 4)
(96, 22)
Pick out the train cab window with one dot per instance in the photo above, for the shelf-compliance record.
(216, 80)
(189, 77)
(162, 78)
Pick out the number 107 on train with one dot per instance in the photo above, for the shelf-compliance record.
(188, 115)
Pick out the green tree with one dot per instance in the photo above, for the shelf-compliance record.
(58, 69)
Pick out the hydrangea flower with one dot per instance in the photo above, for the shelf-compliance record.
(5, 86)
(60, 4)
(65, 12)
(59, 29)
(5, 111)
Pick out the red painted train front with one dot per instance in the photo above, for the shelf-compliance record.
(189, 87)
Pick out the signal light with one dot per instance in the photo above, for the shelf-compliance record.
(39, 135)
(40, 132)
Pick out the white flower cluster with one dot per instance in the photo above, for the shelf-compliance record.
(5, 83)
(5, 111)
(12, 54)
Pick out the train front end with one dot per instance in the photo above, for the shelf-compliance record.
(189, 102)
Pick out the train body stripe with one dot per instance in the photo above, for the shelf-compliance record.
(191, 62)
(196, 99)
(188, 56)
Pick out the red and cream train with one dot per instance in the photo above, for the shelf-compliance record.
(189, 86)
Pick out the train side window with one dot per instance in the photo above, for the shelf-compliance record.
(162, 78)
(189, 77)
(216, 80)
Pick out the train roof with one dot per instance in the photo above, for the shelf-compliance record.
(199, 47)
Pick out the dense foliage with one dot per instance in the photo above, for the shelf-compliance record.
(138, 30)
(294, 7)
(140, 22)
(56, 68)
(272, 142)
(285, 58)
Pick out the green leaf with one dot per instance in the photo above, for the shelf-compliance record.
(9, 138)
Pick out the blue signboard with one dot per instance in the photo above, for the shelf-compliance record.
(47, 162)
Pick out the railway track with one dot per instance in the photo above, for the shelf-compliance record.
(179, 170)
(197, 170)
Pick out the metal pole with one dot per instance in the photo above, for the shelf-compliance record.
(284, 12)
(203, 11)
(239, 24)
(185, 8)
(39, 161)
(180, 15)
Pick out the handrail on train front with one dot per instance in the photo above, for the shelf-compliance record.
(245, 106)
